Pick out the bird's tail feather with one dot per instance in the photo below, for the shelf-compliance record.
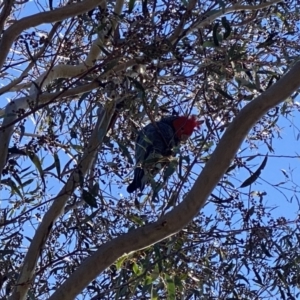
(138, 181)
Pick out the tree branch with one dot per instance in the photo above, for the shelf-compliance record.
(55, 15)
(12, 86)
(26, 277)
(11, 112)
(182, 214)
(208, 20)
(236, 7)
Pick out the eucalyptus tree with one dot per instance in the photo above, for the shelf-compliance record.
(78, 81)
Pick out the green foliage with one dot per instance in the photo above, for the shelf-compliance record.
(156, 59)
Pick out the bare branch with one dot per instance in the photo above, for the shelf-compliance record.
(207, 21)
(27, 272)
(11, 112)
(58, 14)
(181, 215)
(12, 85)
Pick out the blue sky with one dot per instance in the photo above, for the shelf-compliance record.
(287, 145)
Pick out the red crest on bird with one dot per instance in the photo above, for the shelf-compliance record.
(184, 126)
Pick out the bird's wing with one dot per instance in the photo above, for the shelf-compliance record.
(153, 138)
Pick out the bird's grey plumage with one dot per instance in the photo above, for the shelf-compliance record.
(154, 143)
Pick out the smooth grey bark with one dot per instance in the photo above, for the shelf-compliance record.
(11, 114)
(11, 110)
(182, 214)
(26, 277)
(55, 15)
